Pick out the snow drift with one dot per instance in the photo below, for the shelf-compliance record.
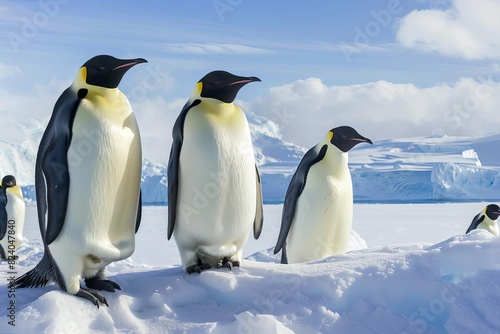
(452, 286)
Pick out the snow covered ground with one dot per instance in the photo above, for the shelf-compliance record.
(419, 274)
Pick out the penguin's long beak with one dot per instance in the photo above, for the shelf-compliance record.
(363, 139)
(244, 81)
(130, 62)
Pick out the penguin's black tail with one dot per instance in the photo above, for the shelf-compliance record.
(39, 276)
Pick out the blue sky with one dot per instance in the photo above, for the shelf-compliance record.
(390, 68)
(284, 41)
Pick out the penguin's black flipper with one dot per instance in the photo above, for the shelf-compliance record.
(259, 212)
(139, 212)
(51, 169)
(475, 222)
(3, 213)
(173, 165)
(295, 189)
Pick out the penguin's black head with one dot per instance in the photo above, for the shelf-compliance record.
(107, 71)
(493, 211)
(345, 138)
(223, 86)
(8, 181)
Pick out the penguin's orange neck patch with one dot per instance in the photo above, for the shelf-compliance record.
(199, 87)
(330, 135)
(83, 72)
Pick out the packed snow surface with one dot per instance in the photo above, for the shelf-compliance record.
(416, 273)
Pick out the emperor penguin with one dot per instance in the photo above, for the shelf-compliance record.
(486, 220)
(317, 213)
(214, 190)
(87, 180)
(11, 217)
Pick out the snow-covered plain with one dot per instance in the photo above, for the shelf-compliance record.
(419, 274)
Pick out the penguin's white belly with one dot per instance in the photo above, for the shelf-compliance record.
(323, 217)
(15, 216)
(490, 226)
(104, 161)
(217, 193)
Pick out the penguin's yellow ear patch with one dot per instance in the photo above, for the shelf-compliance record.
(199, 87)
(330, 133)
(83, 71)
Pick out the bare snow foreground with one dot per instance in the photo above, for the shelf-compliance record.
(450, 287)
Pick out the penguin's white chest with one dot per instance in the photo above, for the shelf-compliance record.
(217, 179)
(490, 226)
(323, 216)
(15, 215)
(104, 161)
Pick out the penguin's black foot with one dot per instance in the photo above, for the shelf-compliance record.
(101, 284)
(198, 268)
(92, 296)
(225, 263)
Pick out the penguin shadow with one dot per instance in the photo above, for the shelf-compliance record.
(265, 256)
(143, 294)
(172, 293)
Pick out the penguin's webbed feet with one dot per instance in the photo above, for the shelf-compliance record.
(101, 284)
(198, 268)
(225, 263)
(92, 296)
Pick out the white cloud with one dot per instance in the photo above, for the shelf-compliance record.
(12, 11)
(9, 71)
(306, 109)
(156, 117)
(213, 48)
(470, 30)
